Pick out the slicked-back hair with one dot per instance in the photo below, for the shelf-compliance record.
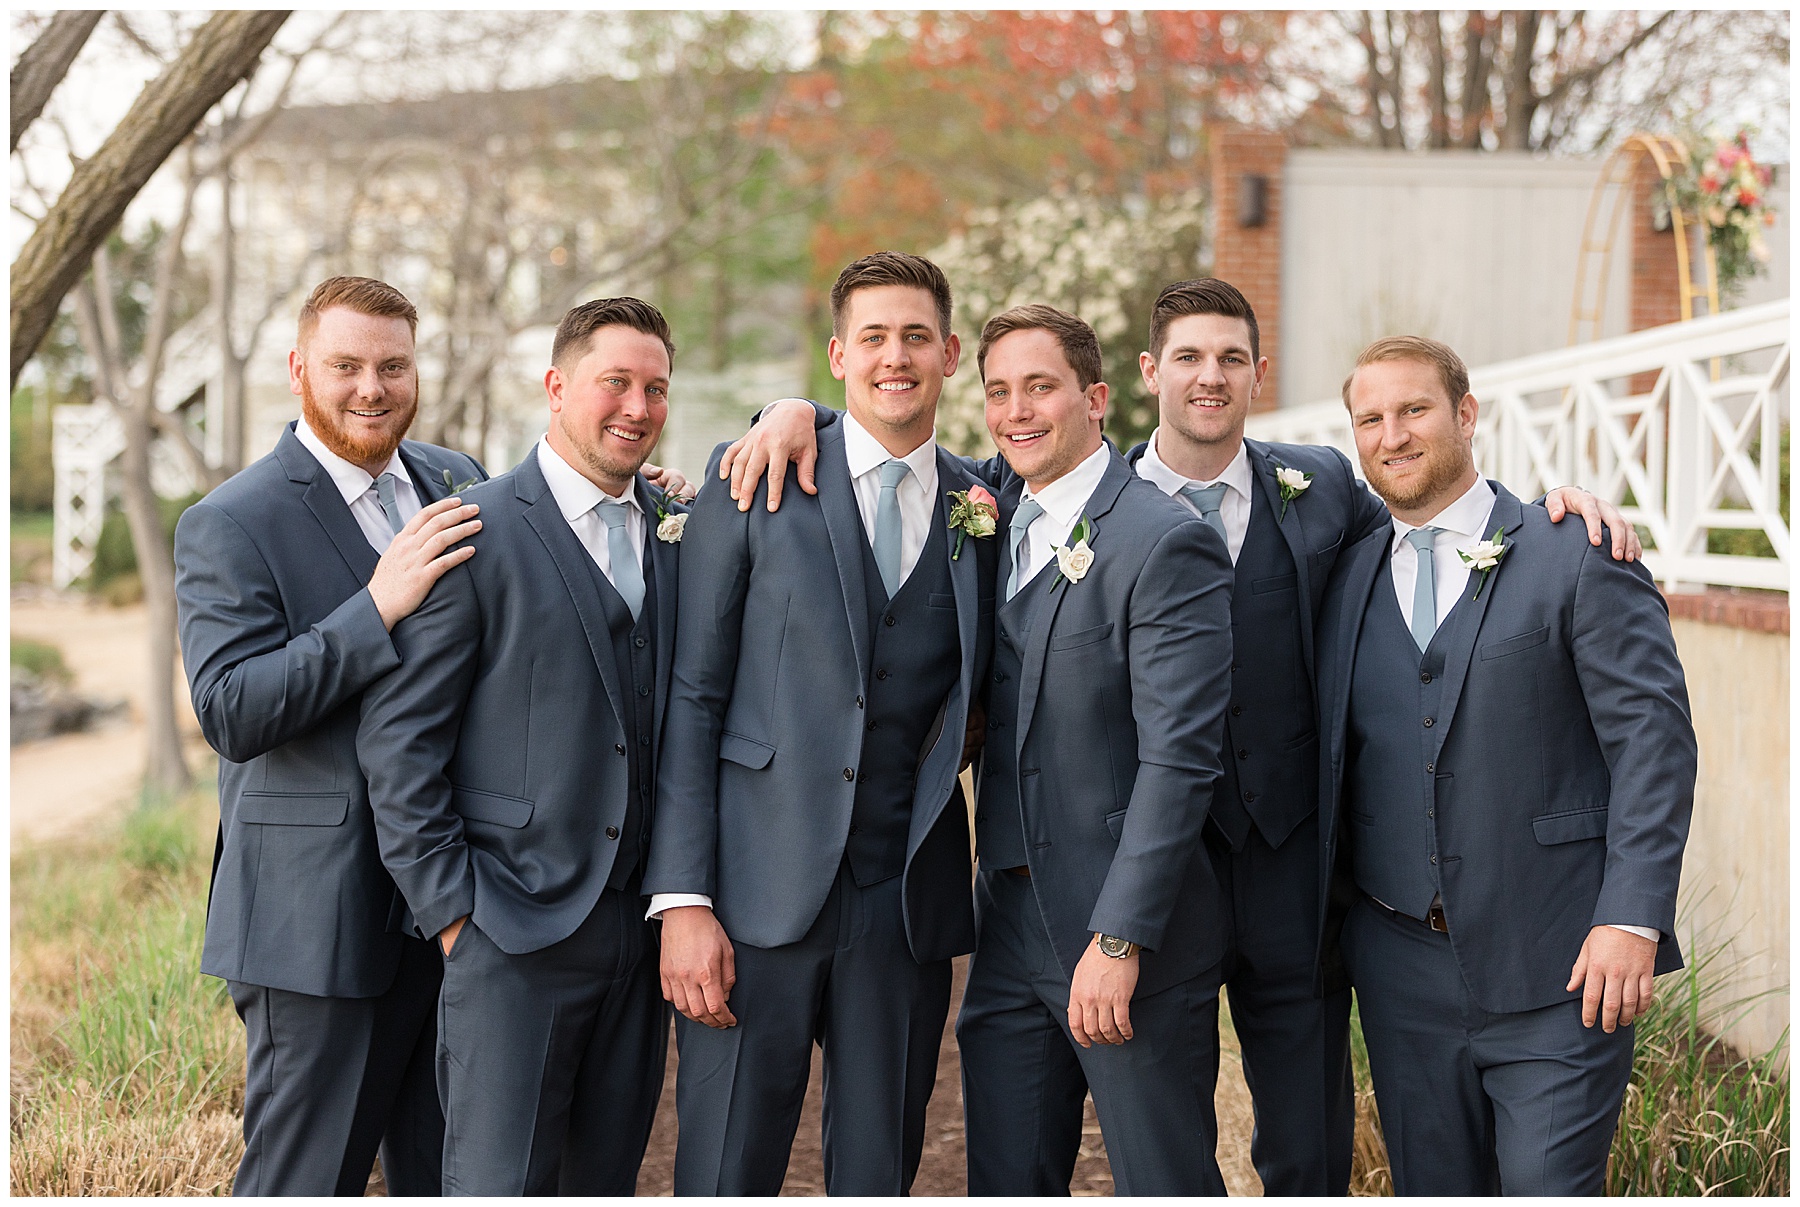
(1203, 295)
(364, 295)
(574, 334)
(1450, 368)
(1080, 346)
(891, 268)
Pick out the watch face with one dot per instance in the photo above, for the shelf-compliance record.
(1114, 946)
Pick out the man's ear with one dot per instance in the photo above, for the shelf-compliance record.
(296, 372)
(1467, 412)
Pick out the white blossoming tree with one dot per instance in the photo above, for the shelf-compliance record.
(1101, 258)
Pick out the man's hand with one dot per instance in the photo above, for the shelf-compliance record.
(669, 481)
(784, 433)
(447, 936)
(1596, 511)
(974, 736)
(698, 969)
(1100, 998)
(416, 560)
(1620, 971)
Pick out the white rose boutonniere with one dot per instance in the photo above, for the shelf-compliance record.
(1292, 484)
(669, 524)
(1484, 556)
(1074, 559)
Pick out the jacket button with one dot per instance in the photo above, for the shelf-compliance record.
(1242, 753)
(1424, 676)
(849, 774)
(1234, 666)
(612, 831)
(859, 702)
(639, 642)
(1431, 813)
(1237, 710)
(881, 674)
(1249, 798)
(643, 691)
(1431, 766)
(1429, 722)
(1434, 859)
(618, 748)
(889, 622)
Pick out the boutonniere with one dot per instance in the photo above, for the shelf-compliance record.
(1074, 559)
(973, 512)
(669, 524)
(456, 488)
(1292, 484)
(1484, 556)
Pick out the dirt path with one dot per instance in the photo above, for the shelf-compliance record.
(64, 785)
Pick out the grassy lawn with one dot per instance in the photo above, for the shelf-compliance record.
(31, 536)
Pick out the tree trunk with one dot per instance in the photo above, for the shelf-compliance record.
(1521, 96)
(165, 770)
(1431, 27)
(231, 365)
(101, 187)
(44, 64)
(1478, 59)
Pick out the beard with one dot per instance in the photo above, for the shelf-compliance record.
(607, 464)
(357, 447)
(1442, 469)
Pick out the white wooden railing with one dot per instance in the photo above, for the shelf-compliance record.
(1699, 451)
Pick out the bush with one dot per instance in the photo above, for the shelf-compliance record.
(42, 661)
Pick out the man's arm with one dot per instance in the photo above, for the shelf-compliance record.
(254, 688)
(411, 719)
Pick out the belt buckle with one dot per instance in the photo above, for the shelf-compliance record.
(1434, 918)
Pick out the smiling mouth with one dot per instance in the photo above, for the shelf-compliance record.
(1211, 404)
(896, 387)
(366, 414)
(622, 434)
(1017, 438)
(1408, 459)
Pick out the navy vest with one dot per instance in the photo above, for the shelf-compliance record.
(634, 658)
(1390, 785)
(915, 656)
(1268, 763)
(999, 813)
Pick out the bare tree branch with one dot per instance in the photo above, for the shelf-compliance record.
(44, 64)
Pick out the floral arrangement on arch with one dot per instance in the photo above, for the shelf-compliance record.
(1725, 188)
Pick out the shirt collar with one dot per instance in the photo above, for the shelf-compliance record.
(575, 495)
(863, 453)
(1464, 518)
(1153, 467)
(352, 481)
(1063, 499)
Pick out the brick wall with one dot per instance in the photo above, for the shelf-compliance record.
(1250, 257)
(1655, 279)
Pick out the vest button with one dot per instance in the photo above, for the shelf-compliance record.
(1237, 710)
(639, 642)
(853, 829)
(612, 831)
(643, 691)
(1429, 722)
(871, 727)
(618, 748)
(643, 741)
(1431, 813)
(881, 674)
(889, 622)
(1249, 798)
(862, 777)
(849, 774)
(1242, 753)
(999, 677)
(1424, 676)
(1434, 859)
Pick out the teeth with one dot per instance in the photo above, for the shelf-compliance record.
(634, 437)
(893, 387)
(1022, 437)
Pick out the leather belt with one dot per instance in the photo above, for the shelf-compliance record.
(1022, 870)
(1433, 919)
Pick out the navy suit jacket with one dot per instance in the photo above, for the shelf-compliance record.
(280, 638)
(1124, 683)
(496, 752)
(755, 788)
(1564, 755)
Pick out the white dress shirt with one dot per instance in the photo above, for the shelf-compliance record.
(1234, 508)
(1062, 501)
(358, 488)
(1463, 523)
(916, 494)
(577, 497)
(917, 497)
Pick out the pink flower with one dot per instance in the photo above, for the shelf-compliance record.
(980, 496)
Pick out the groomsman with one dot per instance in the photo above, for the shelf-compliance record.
(511, 760)
(1508, 777)
(811, 856)
(288, 580)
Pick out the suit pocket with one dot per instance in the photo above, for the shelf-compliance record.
(294, 808)
(1572, 826)
(745, 752)
(1081, 637)
(510, 811)
(1115, 824)
(1281, 582)
(1328, 555)
(1513, 645)
(934, 600)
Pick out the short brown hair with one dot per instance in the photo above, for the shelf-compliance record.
(364, 295)
(1204, 295)
(1451, 370)
(890, 268)
(1080, 346)
(578, 326)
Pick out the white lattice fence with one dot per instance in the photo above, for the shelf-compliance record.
(1697, 452)
(85, 440)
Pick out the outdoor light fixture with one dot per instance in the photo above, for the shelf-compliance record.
(1253, 200)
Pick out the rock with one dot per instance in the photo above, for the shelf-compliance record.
(43, 710)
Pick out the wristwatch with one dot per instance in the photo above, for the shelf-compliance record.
(1117, 948)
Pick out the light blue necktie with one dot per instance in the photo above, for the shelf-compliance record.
(887, 524)
(384, 490)
(1208, 499)
(1029, 510)
(627, 575)
(1424, 616)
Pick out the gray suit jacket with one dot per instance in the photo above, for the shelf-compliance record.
(754, 792)
(1564, 756)
(280, 638)
(1124, 684)
(496, 751)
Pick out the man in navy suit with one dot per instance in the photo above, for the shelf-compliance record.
(288, 580)
(1508, 778)
(511, 760)
(811, 855)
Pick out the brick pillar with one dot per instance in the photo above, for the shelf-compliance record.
(1250, 256)
(1655, 272)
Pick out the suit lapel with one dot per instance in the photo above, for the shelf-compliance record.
(1292, 532)
(1509, 516)
(1361, 568)
(837, 499)
(431, 488)
(573, 564)
(321, 496)
(664, 561)
(965, 577)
